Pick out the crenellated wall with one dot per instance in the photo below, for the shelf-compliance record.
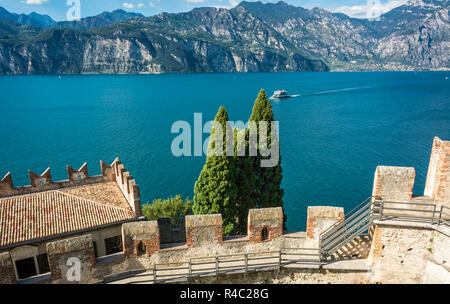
(398, 252)
(115, 172)
(128, 186)
(140, 238)
(44, 182)
(7, 274)
(77, 175)
(438, 178)
(70, 257)
(394, 183)
(6, 185)
(169, 234)
(265, 223)
(204, 230)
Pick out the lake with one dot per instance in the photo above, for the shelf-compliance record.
(332, 136)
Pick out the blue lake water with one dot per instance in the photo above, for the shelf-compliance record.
(332, 137)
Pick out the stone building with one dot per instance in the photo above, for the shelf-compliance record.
(48, 211)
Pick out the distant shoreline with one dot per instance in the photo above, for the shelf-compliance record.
(203, 73)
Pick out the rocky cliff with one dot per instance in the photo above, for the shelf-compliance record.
(252, 37)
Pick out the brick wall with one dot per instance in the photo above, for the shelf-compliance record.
(203, 230)
(394, 183)
(7, 274)
(438, 178)
(140, 238)
(321, 218)
(6, 185)
(63, 256)
(270, 219)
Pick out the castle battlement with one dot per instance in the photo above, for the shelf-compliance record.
(116, 172)
(392, 237)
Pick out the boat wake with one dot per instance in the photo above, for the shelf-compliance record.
(336, 91)
(278, 99)
(323, 93)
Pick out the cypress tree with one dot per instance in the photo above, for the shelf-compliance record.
(245, 179)
(215, 190)
(268, 192)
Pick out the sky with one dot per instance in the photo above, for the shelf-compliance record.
(57, 9)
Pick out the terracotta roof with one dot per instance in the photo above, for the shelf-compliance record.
(106, 192)
(51, 213)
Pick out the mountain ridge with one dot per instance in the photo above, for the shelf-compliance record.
(251, 37)
(30, 19)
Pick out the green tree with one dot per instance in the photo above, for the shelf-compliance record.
(174, 208)
(267, 192)
(215, 190)
(245, 179)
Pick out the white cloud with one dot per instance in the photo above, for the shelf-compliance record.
(39, 2)
(128, 5)
(196, 1)
(369, 10)
(151, 4)
(140, 5)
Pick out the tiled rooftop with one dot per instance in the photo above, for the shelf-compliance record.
(51, 213)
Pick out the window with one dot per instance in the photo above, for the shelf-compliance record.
(265, 234)
(26, 268)
(113, 245)
(43, 265)
(141, 249)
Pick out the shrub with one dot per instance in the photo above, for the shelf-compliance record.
(174, 208)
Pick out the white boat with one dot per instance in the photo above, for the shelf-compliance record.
(281, 94)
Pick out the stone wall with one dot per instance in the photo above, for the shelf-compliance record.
(437, 269)
(140, 238)
(7, 274)
(6, 185)
(438, 178)
(264, 222)
(69, 257)
(77, 175)
(394, 183)
(203, 230)
(128, 186)
(37, 181)
(398, 254)
(290, 276)
(319, 219)
(168, 234)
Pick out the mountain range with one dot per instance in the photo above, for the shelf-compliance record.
(252, 37)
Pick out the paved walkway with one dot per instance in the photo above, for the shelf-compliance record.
(170, 273)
